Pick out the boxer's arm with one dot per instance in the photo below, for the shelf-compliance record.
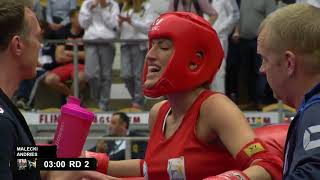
(225, 119)
(128, 168)
(67, 175)
(228, 122)
(125, 168)
(257, 172)
(254, 173)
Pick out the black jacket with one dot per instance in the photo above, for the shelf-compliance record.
(14, 132)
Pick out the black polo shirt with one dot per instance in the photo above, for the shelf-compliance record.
(14, 132)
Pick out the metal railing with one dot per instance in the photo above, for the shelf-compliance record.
(128, 140)
(76, 43)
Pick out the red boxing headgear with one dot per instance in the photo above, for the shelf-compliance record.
(195, 43)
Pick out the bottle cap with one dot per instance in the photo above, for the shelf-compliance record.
(73, 108)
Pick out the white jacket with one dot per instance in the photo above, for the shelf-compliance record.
(99, 23)
(228, 16)
(140, 23)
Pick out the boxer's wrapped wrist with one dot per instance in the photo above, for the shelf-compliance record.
(102, 160)
(142, 164)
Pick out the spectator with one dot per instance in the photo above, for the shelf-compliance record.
(229, 15)
(119, 127)
(196, 6)
(289, 42)
(57, 15)
(253, 83)
(134, 22)
(64, 54)
(99, 18)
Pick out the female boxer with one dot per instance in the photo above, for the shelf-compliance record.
(195, 133)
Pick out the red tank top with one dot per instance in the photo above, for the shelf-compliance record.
(183, 156)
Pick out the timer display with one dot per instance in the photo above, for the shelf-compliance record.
(67, 164)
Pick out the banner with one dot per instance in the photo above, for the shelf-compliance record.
(47, 118)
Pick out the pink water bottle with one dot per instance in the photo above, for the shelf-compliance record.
(73, 128)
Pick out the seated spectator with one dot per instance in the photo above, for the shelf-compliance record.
(27, 88)
(119, 127)
(57, 15)
(64, 57)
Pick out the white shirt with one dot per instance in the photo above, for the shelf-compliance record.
(119, 145)
(99, 23)
(140, 23)
(228, 16)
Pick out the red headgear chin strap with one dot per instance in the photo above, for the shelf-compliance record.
(190, 34)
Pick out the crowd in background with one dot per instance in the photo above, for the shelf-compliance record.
(99, 21)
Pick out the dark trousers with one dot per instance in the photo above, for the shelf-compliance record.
(232, 70)
(252, 83)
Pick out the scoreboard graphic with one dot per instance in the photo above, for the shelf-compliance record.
(44, 158)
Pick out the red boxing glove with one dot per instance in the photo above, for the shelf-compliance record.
(102, 160)
(229, 175)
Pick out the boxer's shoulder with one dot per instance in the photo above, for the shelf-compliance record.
(216, 98)
(154, 112)
(220, 103)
